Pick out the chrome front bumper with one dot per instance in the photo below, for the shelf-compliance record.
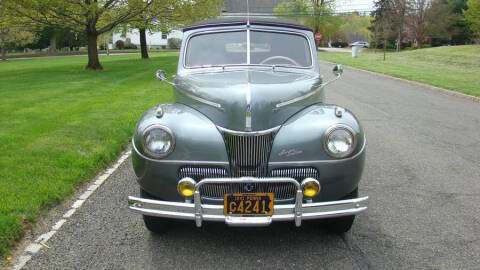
(207, 212)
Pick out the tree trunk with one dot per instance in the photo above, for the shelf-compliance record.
(384, 49)
(143, 44)
(53, 44)
(93, 62)
(4, 53)
(399, 39)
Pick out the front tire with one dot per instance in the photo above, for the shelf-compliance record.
(156, 225)
(342, 224)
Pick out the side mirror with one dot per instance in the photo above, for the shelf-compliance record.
(337, 70)
(161, 75)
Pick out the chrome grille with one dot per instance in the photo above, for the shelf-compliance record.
(248, 153)
(198, 173)
(297, 173)
(281, 191)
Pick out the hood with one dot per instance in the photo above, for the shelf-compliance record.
(246, 100)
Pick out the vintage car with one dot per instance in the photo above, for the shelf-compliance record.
(248, 140)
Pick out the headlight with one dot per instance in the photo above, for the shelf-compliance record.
(339, 141)
(158, 141)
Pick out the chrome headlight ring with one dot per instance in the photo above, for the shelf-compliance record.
(330, 131)
(145, 142)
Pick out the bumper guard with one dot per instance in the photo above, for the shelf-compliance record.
(207, 212)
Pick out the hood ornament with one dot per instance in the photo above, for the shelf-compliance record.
(248, 118)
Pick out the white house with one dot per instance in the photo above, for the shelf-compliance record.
(154, 40)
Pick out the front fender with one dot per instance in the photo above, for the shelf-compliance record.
(198, 143)
(299, 143)
(301, 136)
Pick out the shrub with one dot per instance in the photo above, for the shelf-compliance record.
(130, 46)
(339, 44)
(174, 43)
(119, 44)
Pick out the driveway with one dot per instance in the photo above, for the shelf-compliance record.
(422, 175)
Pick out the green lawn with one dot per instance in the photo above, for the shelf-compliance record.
(456, 67)
(60, 124)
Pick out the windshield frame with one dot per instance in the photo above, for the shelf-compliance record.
(248, 64)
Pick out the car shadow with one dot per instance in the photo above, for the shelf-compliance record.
(279, 246)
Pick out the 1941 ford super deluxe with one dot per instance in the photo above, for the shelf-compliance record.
(248, 140)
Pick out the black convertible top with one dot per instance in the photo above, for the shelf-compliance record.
(224, 21)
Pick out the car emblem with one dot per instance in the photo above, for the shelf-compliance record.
(248, 187)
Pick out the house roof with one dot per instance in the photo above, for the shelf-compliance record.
(224, 21)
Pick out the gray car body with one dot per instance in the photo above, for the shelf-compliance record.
(209, 99)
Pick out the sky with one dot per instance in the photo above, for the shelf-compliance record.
(354, 5)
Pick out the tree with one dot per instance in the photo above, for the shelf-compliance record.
(356, 26)
(472, 16)
(12, 32)
(382, 23)
(459, 30)
(417, 20)
(440, 21)
(166, 14)
(91, 17)
(314, 13)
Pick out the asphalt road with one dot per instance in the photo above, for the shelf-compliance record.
(422, 175)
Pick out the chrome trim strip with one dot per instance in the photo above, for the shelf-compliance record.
(251, 133)
(320, 161)
(248, 112)
(202, 100)
(288, 102)
(248, 42)
(194, 162)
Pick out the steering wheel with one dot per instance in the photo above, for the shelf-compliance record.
(279, 57)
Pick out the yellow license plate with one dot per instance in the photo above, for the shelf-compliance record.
(248, 204)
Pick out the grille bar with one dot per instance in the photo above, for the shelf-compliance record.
(249, 153)
(199, 173)
(297, 173)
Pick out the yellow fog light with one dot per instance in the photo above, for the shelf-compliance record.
(186, 187)
(310, 187)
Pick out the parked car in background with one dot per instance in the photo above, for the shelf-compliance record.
(362, 44)
(248, 139)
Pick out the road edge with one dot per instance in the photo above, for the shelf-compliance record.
(436, 88)
(40, 242)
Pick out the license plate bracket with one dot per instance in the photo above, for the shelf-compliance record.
(248, 204)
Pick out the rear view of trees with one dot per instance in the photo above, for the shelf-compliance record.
(162, 15)
(472, 17)
(11, 31)
(314, 13)
(420, 22)
(91, 17)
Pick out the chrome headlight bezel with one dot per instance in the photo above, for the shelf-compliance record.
(166, 130)
(326, 137)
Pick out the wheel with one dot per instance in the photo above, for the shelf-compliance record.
(154, 224)
(342, 224)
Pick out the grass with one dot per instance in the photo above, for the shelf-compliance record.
(60, 124)
(456, 68)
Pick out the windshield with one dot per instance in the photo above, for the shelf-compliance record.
(230, 48)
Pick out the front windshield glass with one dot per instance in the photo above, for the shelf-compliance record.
(275, 48)
(213, 49)
(230, 48)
